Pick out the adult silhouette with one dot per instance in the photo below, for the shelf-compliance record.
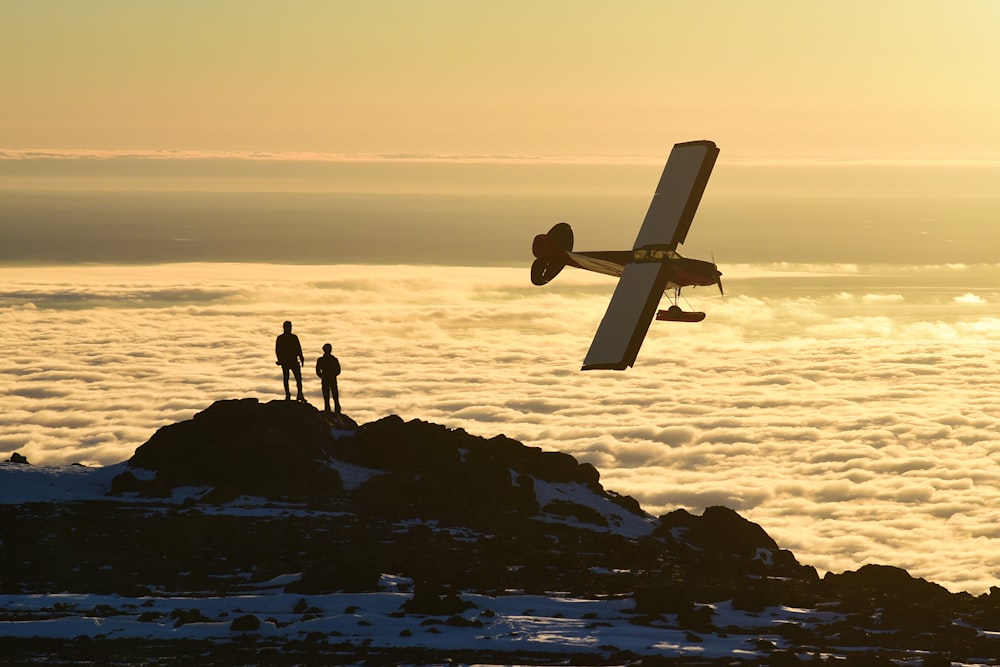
(328, 368)
(288, 350)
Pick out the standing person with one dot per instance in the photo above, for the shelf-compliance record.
(328, 368)
(288, 350)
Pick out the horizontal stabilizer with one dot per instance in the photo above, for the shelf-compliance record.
(544, 270)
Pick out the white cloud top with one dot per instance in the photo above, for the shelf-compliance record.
(852, 412)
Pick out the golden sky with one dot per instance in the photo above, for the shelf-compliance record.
(892, 79)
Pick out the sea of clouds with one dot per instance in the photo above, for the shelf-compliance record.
(852, 411)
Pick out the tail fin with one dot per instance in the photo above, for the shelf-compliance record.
(550, 252)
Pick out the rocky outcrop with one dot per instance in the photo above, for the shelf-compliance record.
(898, 599)
(421, 471)
(392, 444)
(241, 447)
(290, 450)
(433, 471)
(718, 529)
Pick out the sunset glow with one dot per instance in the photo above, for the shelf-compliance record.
(893, 79)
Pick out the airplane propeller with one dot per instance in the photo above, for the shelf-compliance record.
(718, 275)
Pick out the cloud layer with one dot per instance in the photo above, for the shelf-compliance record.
(852, 411)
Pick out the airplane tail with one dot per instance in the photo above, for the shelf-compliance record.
(550, 252)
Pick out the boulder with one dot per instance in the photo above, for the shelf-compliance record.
(885, 581)
(905, 601)
(719, 530)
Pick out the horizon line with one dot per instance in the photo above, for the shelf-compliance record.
(83, 154)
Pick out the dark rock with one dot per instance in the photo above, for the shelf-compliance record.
(462, 622)
(434, 600)
(755, 599)
(340, 421)
(126, 482)
(719, 529)
(783, 659)
(284, 450)
(18, 458)
(566, 509)
(220, 495)
(344, 574)
(276, 449)
(663, 599)
(697, 618)
(627, 503)
(247, 623)
(185, 616)
(887, 581)
(392, 444)
(867, 659)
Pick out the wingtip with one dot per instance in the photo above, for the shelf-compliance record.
(604, 367)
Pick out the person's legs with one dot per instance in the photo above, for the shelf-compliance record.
(298, 382)
(326, 396)
(336, 397)
(284, 379)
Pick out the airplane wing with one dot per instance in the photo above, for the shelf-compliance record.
(633, 304)
(617, 341)
(677, 194)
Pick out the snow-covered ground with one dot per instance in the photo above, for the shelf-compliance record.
(514, 624)
(511, 623)
(527, 625)
(33, 484)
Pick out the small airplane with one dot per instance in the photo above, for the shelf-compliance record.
(650, 268)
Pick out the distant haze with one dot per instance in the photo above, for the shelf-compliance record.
(430, 211)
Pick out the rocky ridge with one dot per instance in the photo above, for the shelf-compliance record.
(458, 515)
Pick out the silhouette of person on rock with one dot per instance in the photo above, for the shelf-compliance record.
(328, 368)
(288, 350)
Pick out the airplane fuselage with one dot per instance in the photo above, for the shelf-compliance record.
(681, 271)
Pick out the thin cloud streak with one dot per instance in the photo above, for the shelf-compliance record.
(467, 158)
(305, 156)
(857, 421)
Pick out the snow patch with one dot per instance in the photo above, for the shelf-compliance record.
(20, 483)
(619, 520)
